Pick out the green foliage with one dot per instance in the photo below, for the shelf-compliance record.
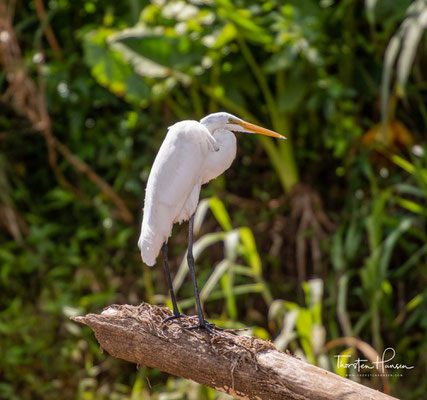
(313, 71)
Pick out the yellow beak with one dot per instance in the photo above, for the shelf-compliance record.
(258, 129)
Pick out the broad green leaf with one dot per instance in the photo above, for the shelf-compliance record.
(111, 70)
(243, 21)
(181, 54)
(304, 328)
(226, 35)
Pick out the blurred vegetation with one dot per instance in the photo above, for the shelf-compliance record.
(307, 241)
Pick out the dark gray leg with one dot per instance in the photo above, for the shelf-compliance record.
(190, 260)
(176, 313)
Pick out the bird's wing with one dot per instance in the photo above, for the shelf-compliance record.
(173, 185)
(179, 164)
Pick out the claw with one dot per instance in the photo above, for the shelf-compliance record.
(172, 317)
(210, 328)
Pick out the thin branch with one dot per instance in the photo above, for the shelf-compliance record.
(85, 169)
(29, 100)
(48, 31)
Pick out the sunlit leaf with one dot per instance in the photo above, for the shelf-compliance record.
(389, 59)
(225, 35)
(411, 206)
(219, 270)
(246, 25)
(111, 70)
(231, 242)
(198, 247)
(339, 364)
(416, 26)
(250, 251)
(370, 10)
(304, 328)
(287, 333)
(220, 213)
(227, 287)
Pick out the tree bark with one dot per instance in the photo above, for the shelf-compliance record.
(242, 366)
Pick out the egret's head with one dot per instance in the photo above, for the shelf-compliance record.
(223, 120)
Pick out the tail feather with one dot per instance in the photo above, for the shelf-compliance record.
(148, 252)
(156, 229)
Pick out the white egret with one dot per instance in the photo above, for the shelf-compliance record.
(192, 154)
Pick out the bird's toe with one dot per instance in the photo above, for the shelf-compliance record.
(173, 317)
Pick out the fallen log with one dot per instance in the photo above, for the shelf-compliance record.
(242, 366)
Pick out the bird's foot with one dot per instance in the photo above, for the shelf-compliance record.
(209, 327)
(175, 316)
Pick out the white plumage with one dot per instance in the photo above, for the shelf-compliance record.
(193, 153)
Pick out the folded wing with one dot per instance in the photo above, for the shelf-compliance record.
(173, 186)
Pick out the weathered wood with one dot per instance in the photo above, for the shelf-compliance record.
(243, 366)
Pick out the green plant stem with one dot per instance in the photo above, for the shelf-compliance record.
(287, 172)
(229, 104)
(342, 313)
(249, 288)
(197, 102)
(281, 156)
(277, 161)
(175, 107)
(214, 81)
(375, 322)
(259, 76)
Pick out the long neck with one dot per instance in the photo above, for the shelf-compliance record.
(211, 126)
(217, 162)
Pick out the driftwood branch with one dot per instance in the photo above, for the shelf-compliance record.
(242, 366)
